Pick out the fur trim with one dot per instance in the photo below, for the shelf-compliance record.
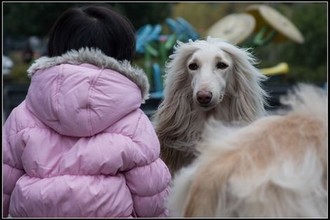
(97, 58)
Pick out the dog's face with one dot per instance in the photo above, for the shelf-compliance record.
(209, 68)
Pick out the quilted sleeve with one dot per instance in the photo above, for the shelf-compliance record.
(149, 186)
(12, 168)
(149, 183)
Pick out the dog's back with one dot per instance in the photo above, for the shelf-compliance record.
(274, 167)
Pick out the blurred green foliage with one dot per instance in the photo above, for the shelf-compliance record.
(27, 19)
(24, 19)
(307, 61)
(145, 13)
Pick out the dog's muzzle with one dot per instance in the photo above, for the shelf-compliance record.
(207, 101)
(204, 97)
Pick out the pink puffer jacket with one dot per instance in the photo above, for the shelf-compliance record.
(79, 145)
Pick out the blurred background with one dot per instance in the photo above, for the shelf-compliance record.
(289, 39)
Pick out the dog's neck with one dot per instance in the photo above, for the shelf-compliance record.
(220, 113)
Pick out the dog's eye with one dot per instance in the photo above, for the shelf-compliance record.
(221, 65)
(193, 66)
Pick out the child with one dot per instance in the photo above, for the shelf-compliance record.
(79, 145)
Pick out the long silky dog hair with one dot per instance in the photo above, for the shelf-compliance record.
(205, 78)
(277, 166)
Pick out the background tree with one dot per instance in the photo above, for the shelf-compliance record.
(26, 19)
(145, 13)
(307, 61)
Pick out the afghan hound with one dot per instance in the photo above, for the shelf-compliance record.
(274, 167)
(205, 78)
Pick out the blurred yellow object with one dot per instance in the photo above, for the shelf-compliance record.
(268, 16)
(281, 68)
(234, 28)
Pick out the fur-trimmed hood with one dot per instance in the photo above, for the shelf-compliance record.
(83, 92)
(97, 58)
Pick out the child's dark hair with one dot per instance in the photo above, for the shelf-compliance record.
(93, 27)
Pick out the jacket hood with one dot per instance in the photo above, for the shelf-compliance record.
(97, 58)
(83, 92)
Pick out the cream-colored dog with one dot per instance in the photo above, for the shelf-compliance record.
(205, 78)
(274, 167)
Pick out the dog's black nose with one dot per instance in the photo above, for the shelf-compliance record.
(204, 97)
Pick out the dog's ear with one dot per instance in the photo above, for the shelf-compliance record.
(248, 98)
(172, 117)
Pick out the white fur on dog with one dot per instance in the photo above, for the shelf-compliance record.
(274, 167)
(222, 69)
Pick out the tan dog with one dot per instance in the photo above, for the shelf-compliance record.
(274, 167)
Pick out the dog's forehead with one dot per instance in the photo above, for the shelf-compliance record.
(211, 52)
